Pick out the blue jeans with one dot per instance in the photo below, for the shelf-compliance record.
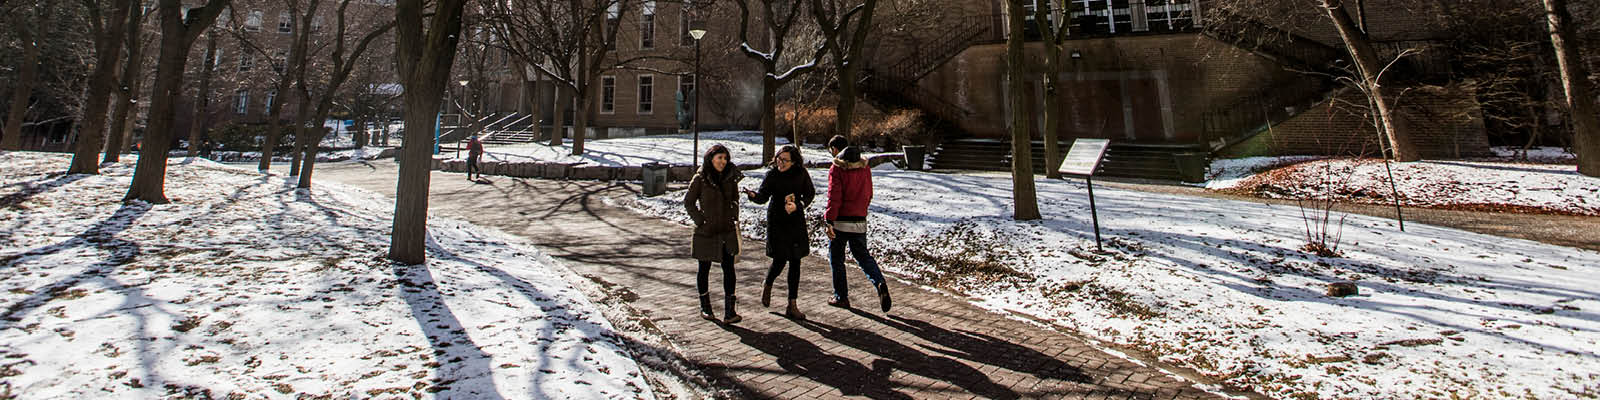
(858, 247)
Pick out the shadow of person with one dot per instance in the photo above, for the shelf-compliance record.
(981, 348)
(899, 356)
(800, 357)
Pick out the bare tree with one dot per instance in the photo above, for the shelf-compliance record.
(837, 19)
(178, 33)
(779, 20)
(1370, 72)
(129, 83)
(342, 63)
(293, 68)
(1580, 101)
(1052, 24)
(28, 73)
(566, 42)
(302, 91)
(202, 98)
(1026, 203)
(106, 23)
(426, 49)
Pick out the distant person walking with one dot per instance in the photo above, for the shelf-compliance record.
(474, 152)
(713, 204)
(849, 194)
(787, 237)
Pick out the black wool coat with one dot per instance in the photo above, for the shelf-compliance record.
(787, 236)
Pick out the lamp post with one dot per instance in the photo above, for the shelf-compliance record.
(460, 113)
(697, 30)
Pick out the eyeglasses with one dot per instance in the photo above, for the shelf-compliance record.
(785, 159)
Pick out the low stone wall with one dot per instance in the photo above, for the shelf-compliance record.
(677, 173)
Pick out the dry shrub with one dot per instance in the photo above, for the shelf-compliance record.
(887, 130)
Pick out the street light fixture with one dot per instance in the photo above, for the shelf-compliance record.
(697, 30)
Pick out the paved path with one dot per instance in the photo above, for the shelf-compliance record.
(931, 345)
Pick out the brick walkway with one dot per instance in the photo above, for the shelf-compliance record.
(931, 345)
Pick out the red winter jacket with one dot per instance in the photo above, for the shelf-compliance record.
(849, 191)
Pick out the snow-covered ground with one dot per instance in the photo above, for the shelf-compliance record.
(1224, 288)
(244, 286)
(1547, 184)
(364, 153)
(744, 146)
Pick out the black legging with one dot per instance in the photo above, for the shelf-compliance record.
(727, 275)
(794, 275)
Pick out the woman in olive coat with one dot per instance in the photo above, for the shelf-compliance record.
(788, 188)
(713, 204)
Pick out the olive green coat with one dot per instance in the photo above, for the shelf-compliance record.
(714, 207)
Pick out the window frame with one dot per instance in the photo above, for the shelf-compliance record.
(645, 103)
(608, 94)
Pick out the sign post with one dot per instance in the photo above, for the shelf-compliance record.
(1082, 160)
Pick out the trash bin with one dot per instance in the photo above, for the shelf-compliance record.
(914, 156)
(655, 179)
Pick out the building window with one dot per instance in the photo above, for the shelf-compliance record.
(647, 94)
(278, 59)
(686, 87)
(272, 96)
(285, 22)
(246, 61)
(241, 102)
(608, 94)
(647, 25)
(215, 58)
(253, 22)
(613, 13)
(1169, 15)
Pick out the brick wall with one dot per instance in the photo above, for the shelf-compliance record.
(1443, 124)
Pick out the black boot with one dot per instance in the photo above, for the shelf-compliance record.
(728, 313)
(883, 296)
(705, 307)
(766, 293)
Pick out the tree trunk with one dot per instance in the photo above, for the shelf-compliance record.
(426, 58)
(149, 177)
(202, 101)
(562, 102)
(108, 50)
(302, 115)
(128, 89)
(845, 117)
(1367, 65)
(769, 119)
(1052, 110)
(11, 139)
(1022, 189)
(317, 132)
(580, 119)
(1575, 80)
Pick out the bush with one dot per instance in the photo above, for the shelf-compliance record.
(241, 137)
(871, 127)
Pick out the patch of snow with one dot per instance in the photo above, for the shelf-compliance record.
(246, 286)
(1222, 287)
(1481, 185)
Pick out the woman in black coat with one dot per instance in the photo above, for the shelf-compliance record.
(713, 203)
(789, 189)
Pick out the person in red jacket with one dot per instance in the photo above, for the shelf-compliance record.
(849, 194)
(474, 151)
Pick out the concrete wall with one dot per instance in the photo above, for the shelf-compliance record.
(1153, 88)
(1443, 124)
